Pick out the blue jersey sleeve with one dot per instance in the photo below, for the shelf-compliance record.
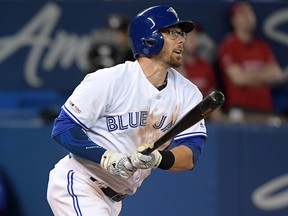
(195, 143)
(74, 138)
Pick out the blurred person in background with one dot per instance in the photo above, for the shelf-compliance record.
(197, 69)
(248, 67)
(110, 44)
(206, 47)
(120, 24)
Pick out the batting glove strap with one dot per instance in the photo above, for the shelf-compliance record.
(168, 160)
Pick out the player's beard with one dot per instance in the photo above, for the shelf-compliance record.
(171, 60)
(175, 62)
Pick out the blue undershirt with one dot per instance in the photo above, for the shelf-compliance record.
(74, 138)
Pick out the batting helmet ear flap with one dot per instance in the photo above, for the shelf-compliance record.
(152, 45)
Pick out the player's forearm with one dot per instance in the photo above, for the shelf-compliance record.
(78, 143)
(71, 136)
(183, 159)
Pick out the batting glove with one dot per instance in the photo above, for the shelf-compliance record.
(142, 161)
(117, 164)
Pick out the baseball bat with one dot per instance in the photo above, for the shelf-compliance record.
(203, 109)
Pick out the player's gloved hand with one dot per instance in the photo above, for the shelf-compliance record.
(142, 161)
(117, 164)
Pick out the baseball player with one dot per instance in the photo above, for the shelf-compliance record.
(115, 113)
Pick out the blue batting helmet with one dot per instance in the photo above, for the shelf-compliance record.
(144, 29)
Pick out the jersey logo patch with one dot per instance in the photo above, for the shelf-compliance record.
(74, 107)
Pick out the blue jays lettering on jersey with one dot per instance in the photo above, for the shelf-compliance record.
(134, 120)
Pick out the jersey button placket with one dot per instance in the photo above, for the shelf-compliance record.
(158, 97)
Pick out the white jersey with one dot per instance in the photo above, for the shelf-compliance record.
(120, 110)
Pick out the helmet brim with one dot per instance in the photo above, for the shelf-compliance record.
(185, 26)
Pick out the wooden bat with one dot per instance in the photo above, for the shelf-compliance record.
(203, 109)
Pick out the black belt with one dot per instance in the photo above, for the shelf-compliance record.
(111, 193)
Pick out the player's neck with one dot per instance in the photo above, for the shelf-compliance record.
(154, 72)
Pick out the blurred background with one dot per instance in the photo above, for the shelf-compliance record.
(46, 49)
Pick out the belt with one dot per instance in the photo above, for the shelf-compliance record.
(109, 192)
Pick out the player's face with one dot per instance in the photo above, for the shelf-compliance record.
(171, 53)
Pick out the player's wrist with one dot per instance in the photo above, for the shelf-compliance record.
(168, 160)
